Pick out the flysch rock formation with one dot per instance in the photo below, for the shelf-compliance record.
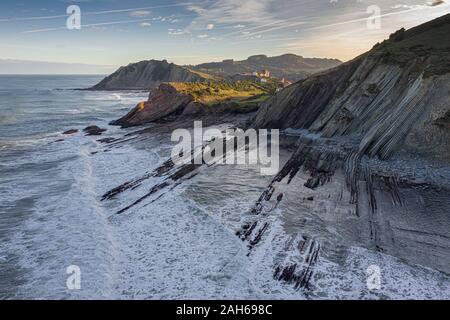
(144, 75)
(370, 166)
(372, 157)
(393, 98)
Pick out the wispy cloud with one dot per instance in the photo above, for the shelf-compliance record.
(176, 32)
(139, 13)
(130, 10)
(90, 25)
(233, 11)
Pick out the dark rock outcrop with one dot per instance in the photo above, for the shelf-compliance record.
(93, 130)
(70, 131)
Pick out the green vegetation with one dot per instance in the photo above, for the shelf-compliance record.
(243, 93)
(204, 75)
(429, 42)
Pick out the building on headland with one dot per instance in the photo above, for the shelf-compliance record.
(262, 74)
(286, 82)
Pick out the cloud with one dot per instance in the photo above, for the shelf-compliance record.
(210, 26)
(234, 11)
(432, 3)
(176, 32)
(87, 25)
(97, 28)
(186, 4)
(202, 36)
(145, 24)
(139, 13)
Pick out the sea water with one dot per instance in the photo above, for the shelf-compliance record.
(181, 246)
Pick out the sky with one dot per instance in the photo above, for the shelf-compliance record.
(115, 33)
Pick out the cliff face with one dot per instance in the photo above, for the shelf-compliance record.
(359, 176)
(372, 156)
(169, 101)
(163, 102)
(145, 75)
(393, 98)
(289, 66)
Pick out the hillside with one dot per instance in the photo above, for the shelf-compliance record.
(147, 74)
(289, 66)
(174, 99)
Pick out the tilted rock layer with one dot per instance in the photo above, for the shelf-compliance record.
(393, 98)
(372, 152)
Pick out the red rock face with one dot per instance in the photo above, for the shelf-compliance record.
(163, 102)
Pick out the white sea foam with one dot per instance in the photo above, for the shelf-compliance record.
(181, 246)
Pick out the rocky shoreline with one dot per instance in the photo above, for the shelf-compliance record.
(369, 154)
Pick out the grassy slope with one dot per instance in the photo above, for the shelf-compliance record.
(241, 92)
(429, 41)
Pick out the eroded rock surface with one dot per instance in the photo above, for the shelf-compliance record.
(163, 102)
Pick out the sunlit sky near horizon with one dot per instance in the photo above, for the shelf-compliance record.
(116, 32)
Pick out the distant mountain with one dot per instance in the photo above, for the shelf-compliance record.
(148, 74)
(289, 66)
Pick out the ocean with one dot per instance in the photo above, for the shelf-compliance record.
(182, 246)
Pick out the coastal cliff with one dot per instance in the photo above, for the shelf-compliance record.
(393, 98)
(369, 167)
(163, 102)
(147, 74)
(371, 155)
(172, 100)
